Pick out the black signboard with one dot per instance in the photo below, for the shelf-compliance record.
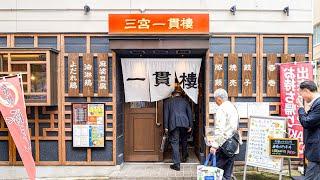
(284, 147)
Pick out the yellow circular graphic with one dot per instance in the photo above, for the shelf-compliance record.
(5, 102)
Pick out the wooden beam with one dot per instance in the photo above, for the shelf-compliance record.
(233, 69)
(218, 71)
(272, 75)
(88, 75)
(247, 79)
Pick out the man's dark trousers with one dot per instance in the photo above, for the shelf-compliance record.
(226, 163)
(175, 135)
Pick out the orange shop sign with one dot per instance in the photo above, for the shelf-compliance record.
(158, 23)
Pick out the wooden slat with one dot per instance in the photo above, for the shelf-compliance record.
(73, 77)
(285, 58)
(247, 75)
(272, 75)
(218, 81)
(233, 75)
(300, 57)
(114, 99)
(88, 82)
(103, 75)
(37, 134)
(208, 73)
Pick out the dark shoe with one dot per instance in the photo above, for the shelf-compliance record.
(175, 167)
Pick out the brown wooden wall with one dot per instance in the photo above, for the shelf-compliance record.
(262, 71)
(50, 127)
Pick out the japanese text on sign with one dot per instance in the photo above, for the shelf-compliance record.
(291, 75)
(88, 125)
(260, 130)
(102, 75)
(143, 23)
(158, 23)
(87, 77)
(162, 77)
(284, 147)
(73, 76)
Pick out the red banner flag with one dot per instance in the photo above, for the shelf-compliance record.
(291, 75)
(13, 110)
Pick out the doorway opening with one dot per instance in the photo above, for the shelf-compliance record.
(143, 121)
(192, 140)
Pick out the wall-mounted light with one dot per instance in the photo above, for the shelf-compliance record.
(86, 9)
(233, 10)
(286, 10)
(142, 10)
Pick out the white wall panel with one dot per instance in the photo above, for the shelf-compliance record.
(55, 26)
(260, 27)
(316, 12)
(7, 26)
(73, 4)
(252, 16)
(156, 4)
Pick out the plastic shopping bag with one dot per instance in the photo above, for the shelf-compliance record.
(206, 172)
(164, 142)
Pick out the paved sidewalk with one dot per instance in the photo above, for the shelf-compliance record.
(155, 171)
(144, 171)
(126, 171)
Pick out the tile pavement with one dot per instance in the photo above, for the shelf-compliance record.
(155, 171)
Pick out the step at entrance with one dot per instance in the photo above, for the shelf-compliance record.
(155, 171)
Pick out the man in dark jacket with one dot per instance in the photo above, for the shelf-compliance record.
(311, 123)
(178, 122)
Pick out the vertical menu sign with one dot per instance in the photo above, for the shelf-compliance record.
(88, 125)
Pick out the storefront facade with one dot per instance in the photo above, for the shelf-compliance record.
(316, 30)
(65, 39)
(316, 33)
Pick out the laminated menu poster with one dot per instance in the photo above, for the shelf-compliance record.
(209, 135)
(88, 125)
(261, 130)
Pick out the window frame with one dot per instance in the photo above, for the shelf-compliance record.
(50, 62)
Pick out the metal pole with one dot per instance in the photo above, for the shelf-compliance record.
(245, 172)
(289, 161)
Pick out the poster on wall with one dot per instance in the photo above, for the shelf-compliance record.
(291, 75)
(261, 130)
(88, 125)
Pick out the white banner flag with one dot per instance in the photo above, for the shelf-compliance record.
(135, 79)
(187, 71)
(162, 77)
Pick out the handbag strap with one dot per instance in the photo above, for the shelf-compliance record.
(238, 116)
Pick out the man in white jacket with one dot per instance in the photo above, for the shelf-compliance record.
(226, 122)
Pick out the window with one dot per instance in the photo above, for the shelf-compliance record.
(273, 45)
(33, 66)
(220, 45)
(3, 63)
(38, 78)
(316, 34)
(47, 42)
(99, 44)
(75, 44)
(24, 42)
(298, 45)
(3, 41)
(245, 45)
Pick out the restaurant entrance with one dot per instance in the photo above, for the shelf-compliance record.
(143, 121)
